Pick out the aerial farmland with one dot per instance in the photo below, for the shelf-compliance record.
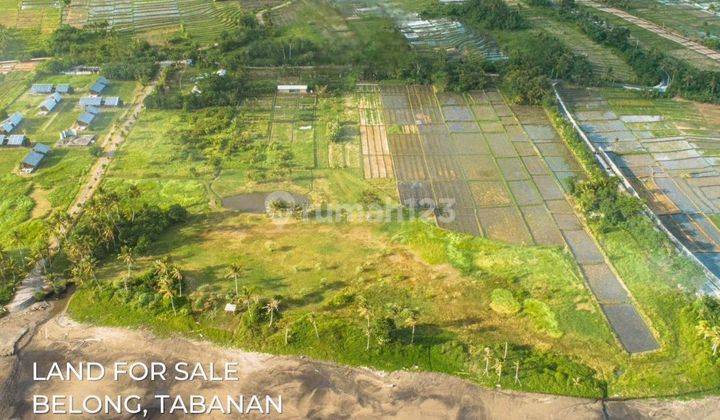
(512, 195)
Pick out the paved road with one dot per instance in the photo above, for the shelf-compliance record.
(663, 32)
(35, 279)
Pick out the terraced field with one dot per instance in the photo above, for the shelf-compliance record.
(499, 171)
(606, 63)
(40, 15)
(662, 149)
(155, 18)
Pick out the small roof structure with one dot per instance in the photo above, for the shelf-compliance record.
(92, 109)
(99, 85)
(86, 119)
(56, 96)
(42, 148)
(90, 101)
(40, 88)
(17, 140)
(221, 72)
(111, 101)
(63, 88)
(3, 137)
(32, 160)
(48, 104)
(292, 88)
(11, 122)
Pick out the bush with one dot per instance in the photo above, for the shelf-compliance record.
(503, 302)
(542, 317)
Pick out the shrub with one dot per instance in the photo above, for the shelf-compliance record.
(503, 302)
(542, 317)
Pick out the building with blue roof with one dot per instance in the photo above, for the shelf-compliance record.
(63, 88)
(41, 88)
(90, 101)
(42, 148)
(11, 123)
(31, 162)
(85, 120)
(17, 140)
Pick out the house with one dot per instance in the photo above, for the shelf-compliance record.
(41, 148)
(31, 162)
(63, 88)
(41, 89)
(90, 101)
(111, 101)
(99, 85)
(50, 103)
(17, 140)
(82, 70)
(92, 109)
(3, 139)
(85, 120)
(11, 123)
(292, 88)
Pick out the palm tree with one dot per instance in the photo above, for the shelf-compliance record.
(234, 272)
(126, 256)
(365, 312)
(312, 316)
(271, 308)
(84, 270)
(165, 287)
(177, 276)
(411, 320)
(710, 333)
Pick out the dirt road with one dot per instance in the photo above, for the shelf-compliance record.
(309, 389)
(663, 32)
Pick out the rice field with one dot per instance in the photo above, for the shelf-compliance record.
(156, 19)
(606, 63)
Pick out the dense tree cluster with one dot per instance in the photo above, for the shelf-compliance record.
(492, 14)
(121, 57)
(111, 221)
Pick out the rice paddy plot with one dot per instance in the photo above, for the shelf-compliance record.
(677, 181)
(201, 19)
(606, 63)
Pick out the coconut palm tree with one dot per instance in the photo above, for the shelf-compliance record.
(711, 334)
(84, 271)
(166, 289)
(177, 276)
(234, 272)
(365, 311)
(312, 316)
(126, 256)
(272, 307)
(411, 321)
